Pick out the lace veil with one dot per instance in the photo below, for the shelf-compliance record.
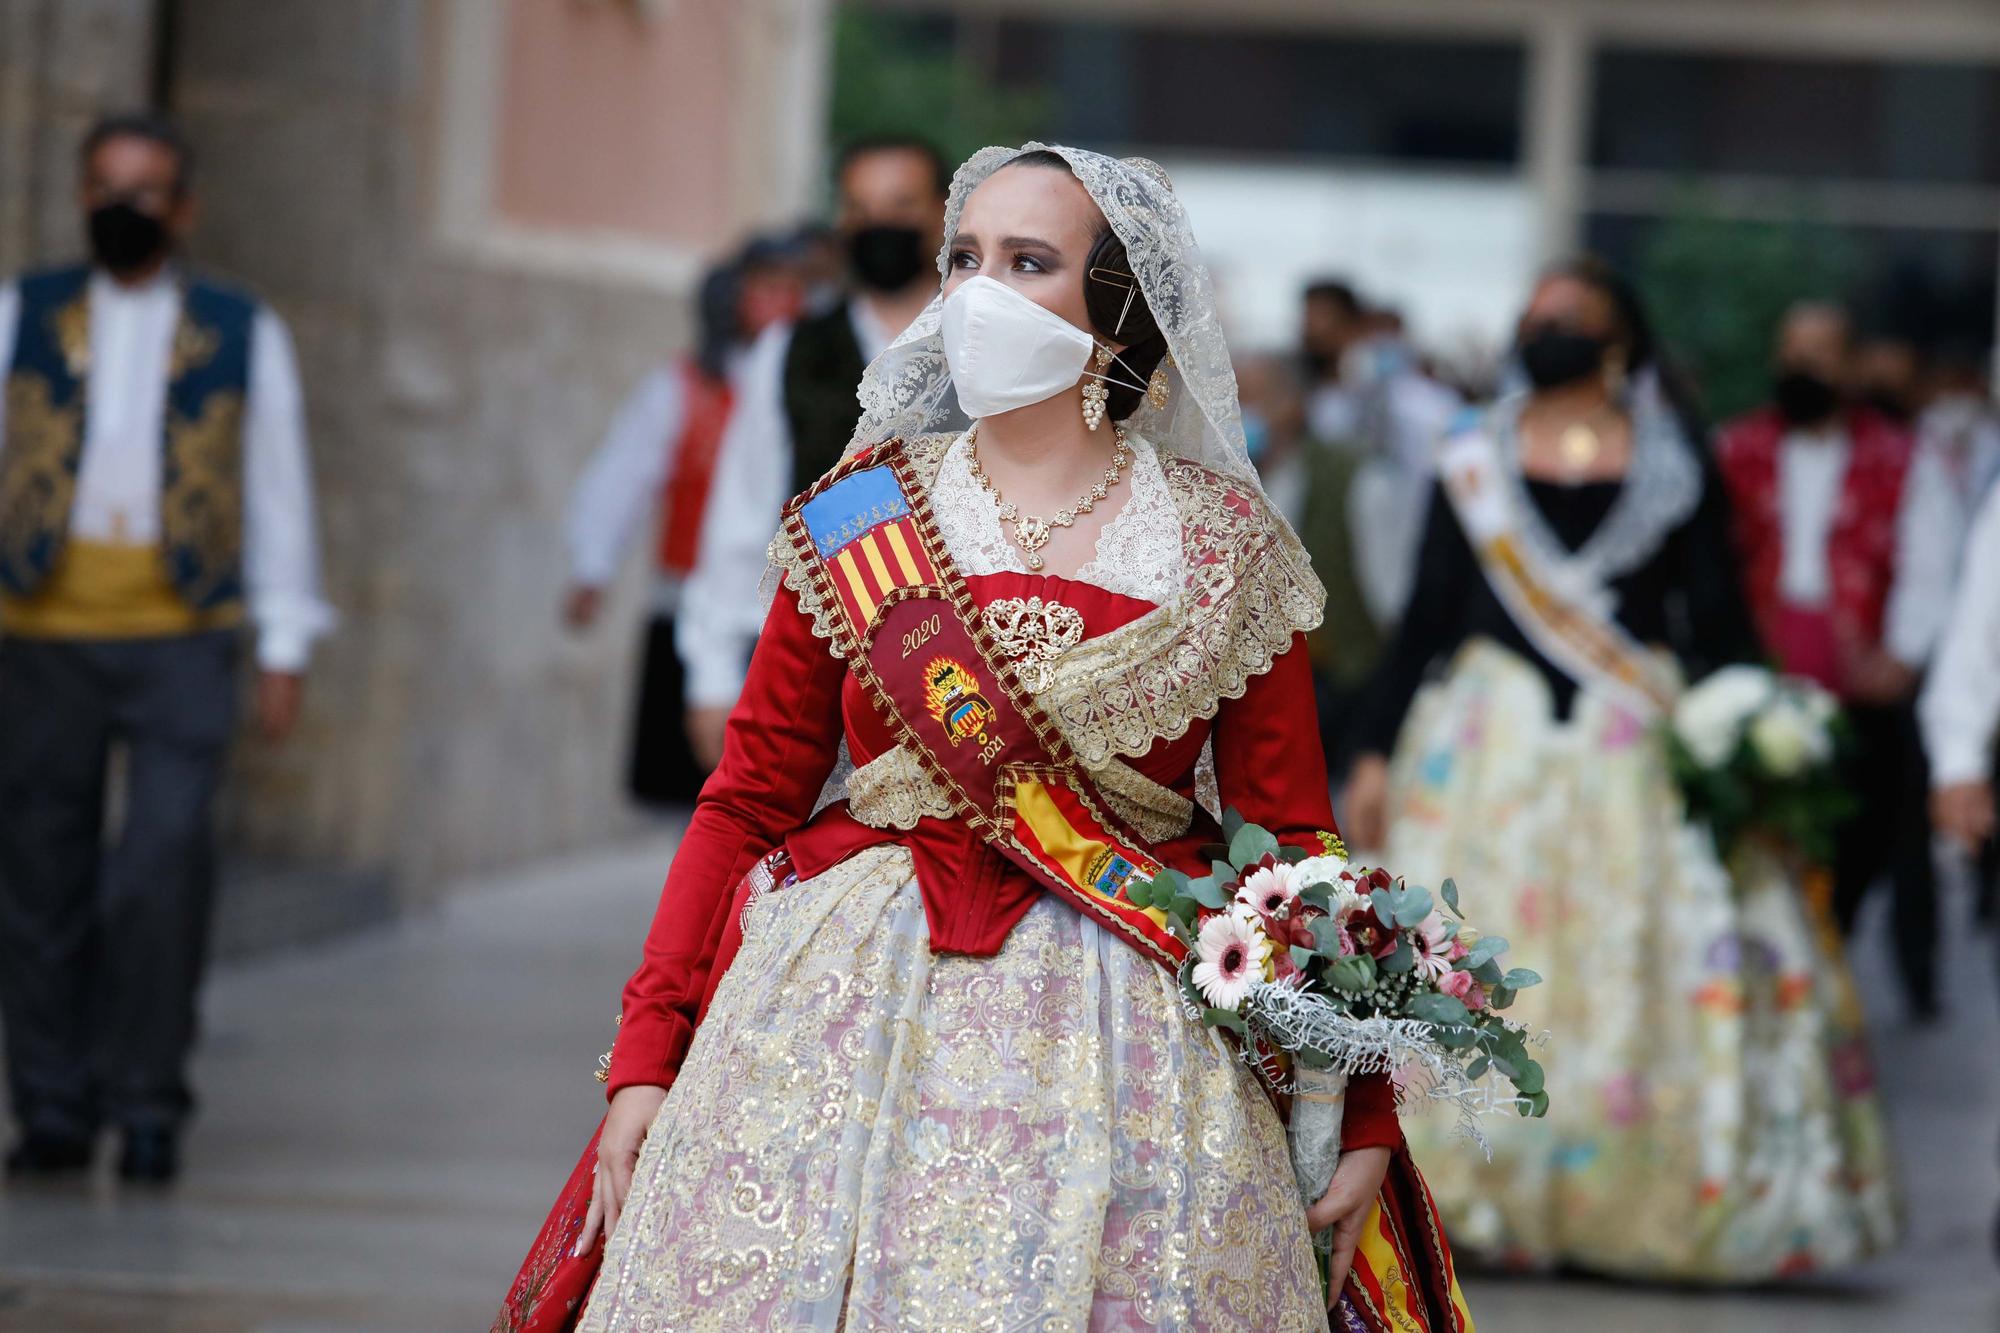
(907, 389)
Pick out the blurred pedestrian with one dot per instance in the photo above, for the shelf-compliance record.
(659, 457)
(798, 409)
(1575, 569)
(154, 493)
(1402, 414)
(1847, 554)
(1961, 707)
(1331, 321)
(1960, 424)
(1961, 700)
(1311, 484)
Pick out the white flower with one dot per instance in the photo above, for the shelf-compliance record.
(1326, 869)
(1710, 718)
(1232, 950)
(1786, 737)
(1270, 889)
(1433, 945)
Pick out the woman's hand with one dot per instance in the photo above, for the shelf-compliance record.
(1364, 803)
(1349, 1199)
(625, 1125)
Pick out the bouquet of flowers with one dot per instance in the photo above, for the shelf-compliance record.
(1753, 750)
(1338, 970)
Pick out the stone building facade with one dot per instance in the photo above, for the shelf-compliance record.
(482, 220)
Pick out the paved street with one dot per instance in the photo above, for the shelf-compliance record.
(387, 1118)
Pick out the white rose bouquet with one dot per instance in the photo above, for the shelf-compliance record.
(1756, 751)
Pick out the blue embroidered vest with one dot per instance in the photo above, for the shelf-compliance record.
(201, 472)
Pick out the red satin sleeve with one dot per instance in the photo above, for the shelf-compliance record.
(782, 741)
(1269, 766)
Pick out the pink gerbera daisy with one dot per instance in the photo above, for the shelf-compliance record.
(1270, 889)
(1231, 950)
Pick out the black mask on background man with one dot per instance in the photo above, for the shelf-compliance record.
(123, 238)
(1803, 397)
(1554, 357)
(884, 258)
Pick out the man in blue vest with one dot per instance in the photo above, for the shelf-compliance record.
(154, 496)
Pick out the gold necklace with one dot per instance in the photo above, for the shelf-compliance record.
(1031, 534)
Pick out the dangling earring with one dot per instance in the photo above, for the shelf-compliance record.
(1157, 384)
(1095, 393)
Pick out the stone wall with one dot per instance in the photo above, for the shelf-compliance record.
(62, 62)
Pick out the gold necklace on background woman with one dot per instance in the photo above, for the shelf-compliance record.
(1580, 441)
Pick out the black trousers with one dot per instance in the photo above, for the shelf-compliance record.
(663, 769)
(102, 941)
(1890, 835)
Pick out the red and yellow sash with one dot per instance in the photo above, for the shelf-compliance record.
(912, 636)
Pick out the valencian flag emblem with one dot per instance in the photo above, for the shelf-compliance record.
(864, 531)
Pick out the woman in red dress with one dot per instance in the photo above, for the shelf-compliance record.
(900, 1053)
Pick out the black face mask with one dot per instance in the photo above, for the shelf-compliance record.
(886, 259)
(124, 238)
(1804, 397)
(1554, 357)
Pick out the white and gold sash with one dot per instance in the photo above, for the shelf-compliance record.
(1566, 611)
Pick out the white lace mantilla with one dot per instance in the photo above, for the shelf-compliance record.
(1138, 553)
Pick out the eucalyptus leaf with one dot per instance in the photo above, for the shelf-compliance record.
(1208, 893)
(1449, 889)
(1412, 906)
(1224, 1018)
(1139, 892)
(1477, 1069)
(1232, 822)
(1503, 996)
(1291, 856)
(1401, 961)
(1488, 972)
(1222, 871)
(1251, 843)
(1488, 947)
(1442, 1010)
(1537, 1107)
(1529, 1080)
(1520, 978)
(1456, 1039)
(1302, 958)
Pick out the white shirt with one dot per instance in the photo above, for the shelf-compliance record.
(118, 477)
(721, 610)
(1812, 480)
(1960, 707)
(625, 477)
(1812, 471)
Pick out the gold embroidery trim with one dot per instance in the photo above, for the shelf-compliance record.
(1249, 588)
(892, 791)
(201, 498)
(1157, 813)
(37, 485)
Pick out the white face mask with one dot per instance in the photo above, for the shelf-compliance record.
(1007, 352)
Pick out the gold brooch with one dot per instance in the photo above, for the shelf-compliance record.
(1033, 633)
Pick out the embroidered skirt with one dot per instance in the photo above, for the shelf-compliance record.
(868, 1136)
(1712, 1116)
